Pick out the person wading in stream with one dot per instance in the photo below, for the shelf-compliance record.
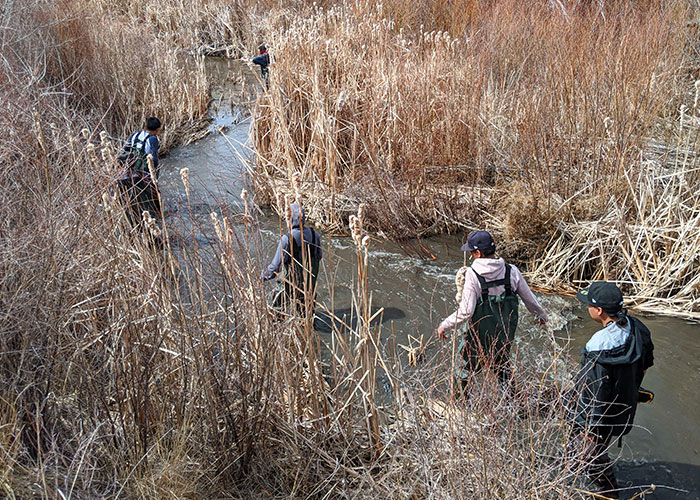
(263, 60)
(135, 183)
(489, 306)
(608, 385)
(300, 265)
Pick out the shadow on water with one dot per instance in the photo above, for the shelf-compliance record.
(346, 318)
(673, 480)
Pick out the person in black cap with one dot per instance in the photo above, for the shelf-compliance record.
(489, 304)
(614, 363)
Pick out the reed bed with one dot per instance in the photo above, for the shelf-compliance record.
(134, 368)
(511, 116)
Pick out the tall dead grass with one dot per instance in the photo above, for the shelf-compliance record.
(512, 117)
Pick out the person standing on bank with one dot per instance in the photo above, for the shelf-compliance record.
(135, 182)
(263, 60)
(300, 266)
(489, 306)
(614, 363)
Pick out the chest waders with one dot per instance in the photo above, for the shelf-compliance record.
(299, 278)
(487, 340)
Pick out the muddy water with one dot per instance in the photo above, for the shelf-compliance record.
(665, 449)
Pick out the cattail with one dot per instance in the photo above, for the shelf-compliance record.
(151, 168)
(92, 155)
(684, 109)
(103, 138)
(150, 223)
(361, 210)
(86, 133)
(217, 227)
(106, 157)
(185, 176)
(278, 201)
(288, 212)
(296, 185)
(244, 196)
(459, 281)
(107, 202)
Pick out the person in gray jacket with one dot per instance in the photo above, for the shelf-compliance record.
(300, 264)
(614, 363)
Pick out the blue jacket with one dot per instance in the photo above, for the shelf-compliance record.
(263, 60)
(283, 255)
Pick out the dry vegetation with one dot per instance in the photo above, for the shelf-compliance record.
(130, 372)
(556, 125)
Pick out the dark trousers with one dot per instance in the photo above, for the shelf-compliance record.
(599, 467)
(138, 195)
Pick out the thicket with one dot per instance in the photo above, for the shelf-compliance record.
(567, 128)
(133, 371)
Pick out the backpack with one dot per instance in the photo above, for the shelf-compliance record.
(133, 156)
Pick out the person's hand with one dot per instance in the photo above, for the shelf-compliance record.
(541, 322)
(441, 333)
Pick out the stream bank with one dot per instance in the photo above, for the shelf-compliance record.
(664, 449)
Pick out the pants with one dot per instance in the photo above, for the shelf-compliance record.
(599, 466)
(138, 195)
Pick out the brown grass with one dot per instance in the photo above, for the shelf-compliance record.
(518, 117)
(128, 371)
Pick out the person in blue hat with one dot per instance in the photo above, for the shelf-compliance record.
(489, 308)
(615, 360)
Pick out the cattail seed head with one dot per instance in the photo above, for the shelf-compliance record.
(86, 133)
(217, 227)
(151, 168)
(185, 176)
(103, 138)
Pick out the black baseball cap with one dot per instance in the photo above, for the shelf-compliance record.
(602, 294)
(479, 240)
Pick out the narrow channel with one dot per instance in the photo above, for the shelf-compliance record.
(664, 449)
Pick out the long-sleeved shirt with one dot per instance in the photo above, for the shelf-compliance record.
(283, 255)
(490, 270)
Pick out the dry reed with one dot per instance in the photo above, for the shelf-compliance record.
(509, 116)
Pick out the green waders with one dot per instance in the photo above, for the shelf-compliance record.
(297, 280)
(487, 340)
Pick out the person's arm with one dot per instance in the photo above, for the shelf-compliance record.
(260, 60)
(523, 290)
(276, 264)
(151, 148)
(467, 304)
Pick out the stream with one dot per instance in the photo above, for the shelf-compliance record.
(663, 449)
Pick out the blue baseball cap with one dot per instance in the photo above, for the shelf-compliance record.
(479, 240)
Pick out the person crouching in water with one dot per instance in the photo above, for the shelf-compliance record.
(300, 263)
(614, 363)
(489, 307)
